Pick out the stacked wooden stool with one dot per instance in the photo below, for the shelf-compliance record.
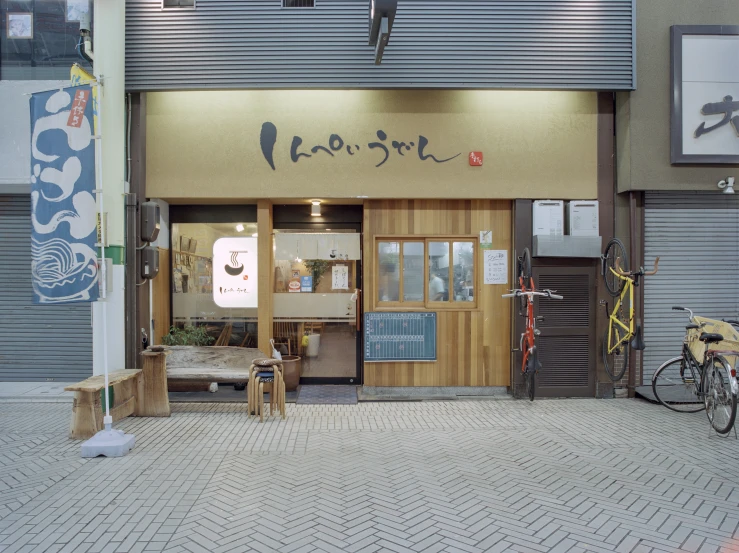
(266, 375)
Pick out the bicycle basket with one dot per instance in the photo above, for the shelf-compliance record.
(730, 334)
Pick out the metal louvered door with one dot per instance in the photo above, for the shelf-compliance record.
(566, 344)
(696, 236)
(39, 342)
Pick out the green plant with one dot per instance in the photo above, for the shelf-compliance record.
(317, 267)
(189, 335)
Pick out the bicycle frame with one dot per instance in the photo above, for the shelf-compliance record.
(528, 337)
(614, 336)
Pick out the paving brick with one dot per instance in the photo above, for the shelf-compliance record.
(440, 476)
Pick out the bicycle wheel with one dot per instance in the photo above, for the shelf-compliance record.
(614, 249)
(720, 400)
(617, 361)
(675, 386)
(524, 272)
(530, 377)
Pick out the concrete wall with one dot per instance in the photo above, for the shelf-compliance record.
(15, 133)
(643, 116)
(206, 145)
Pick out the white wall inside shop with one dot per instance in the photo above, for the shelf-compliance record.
(15, 133)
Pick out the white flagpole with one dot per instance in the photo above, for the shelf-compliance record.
(108, 421)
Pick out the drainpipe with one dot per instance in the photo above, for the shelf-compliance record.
(635, 263)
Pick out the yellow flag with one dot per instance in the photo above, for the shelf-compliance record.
(79, 76)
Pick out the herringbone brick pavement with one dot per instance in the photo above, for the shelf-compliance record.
(462, 476)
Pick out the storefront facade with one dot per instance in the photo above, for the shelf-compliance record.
(672, 154)
(391, 168)
(414, 187)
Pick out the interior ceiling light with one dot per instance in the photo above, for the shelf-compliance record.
(254, 235)
(239, 228)
(315, 208)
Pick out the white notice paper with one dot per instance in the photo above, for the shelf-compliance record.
(496, 266)
(340, 280)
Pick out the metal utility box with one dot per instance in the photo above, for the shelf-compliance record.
(149, 221)
(581, 218)
(548, 217)
(149, 262)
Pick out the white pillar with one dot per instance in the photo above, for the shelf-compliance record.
(109, 68)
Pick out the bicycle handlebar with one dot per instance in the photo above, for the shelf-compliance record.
(684, 309)
(546, 293)
(656, 268)
(619, 271)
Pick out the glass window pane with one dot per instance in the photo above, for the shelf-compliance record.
(438, 271)
(38, 40)
(192, 280)
(464, 270)
(388, 285)
(412, 271)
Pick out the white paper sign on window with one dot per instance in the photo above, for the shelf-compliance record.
(235, 272)
(340, 280)
(496, 266)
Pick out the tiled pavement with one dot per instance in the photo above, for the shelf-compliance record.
(327, 395)
(460, 476)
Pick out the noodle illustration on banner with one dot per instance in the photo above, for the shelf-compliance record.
(64, 263)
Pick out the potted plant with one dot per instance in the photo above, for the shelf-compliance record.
(188, 335)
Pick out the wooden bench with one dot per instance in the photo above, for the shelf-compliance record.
(225, 364)
(88, 409)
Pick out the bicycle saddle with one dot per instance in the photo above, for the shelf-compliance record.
(638, 342)
(711, 338)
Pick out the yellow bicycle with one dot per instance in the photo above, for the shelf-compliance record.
(621, 333)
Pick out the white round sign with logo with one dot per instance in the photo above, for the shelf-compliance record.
(235, 272)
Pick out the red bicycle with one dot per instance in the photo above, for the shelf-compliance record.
(526, 292)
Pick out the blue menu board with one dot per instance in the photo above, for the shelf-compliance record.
(399, 336)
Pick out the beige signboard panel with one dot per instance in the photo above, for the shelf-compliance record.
(216, 145)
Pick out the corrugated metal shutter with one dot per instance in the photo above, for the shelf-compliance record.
(38, 342)
(567, 341)
(561, 44)
(696, 236)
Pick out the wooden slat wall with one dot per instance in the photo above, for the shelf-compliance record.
(161, 294)
(473, 346)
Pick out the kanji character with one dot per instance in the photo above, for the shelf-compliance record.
(267, 140)
(727, 108)
(422, 143)
(294, 154)
(382, 136)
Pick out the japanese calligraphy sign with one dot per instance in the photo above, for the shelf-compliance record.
(370, 144)
(496, 267)
(77, 113)
(335, 145)
(235, 272)
(705, 99)
(340, 277)
(64, 265)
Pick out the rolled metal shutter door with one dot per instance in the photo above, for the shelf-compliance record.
(696, 236)
(39, 342)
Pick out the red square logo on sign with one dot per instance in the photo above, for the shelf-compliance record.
(476, 159)
(77, 113)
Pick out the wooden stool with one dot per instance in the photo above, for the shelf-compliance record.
(266, 375)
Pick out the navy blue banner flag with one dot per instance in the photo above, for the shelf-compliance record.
(64, 214)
